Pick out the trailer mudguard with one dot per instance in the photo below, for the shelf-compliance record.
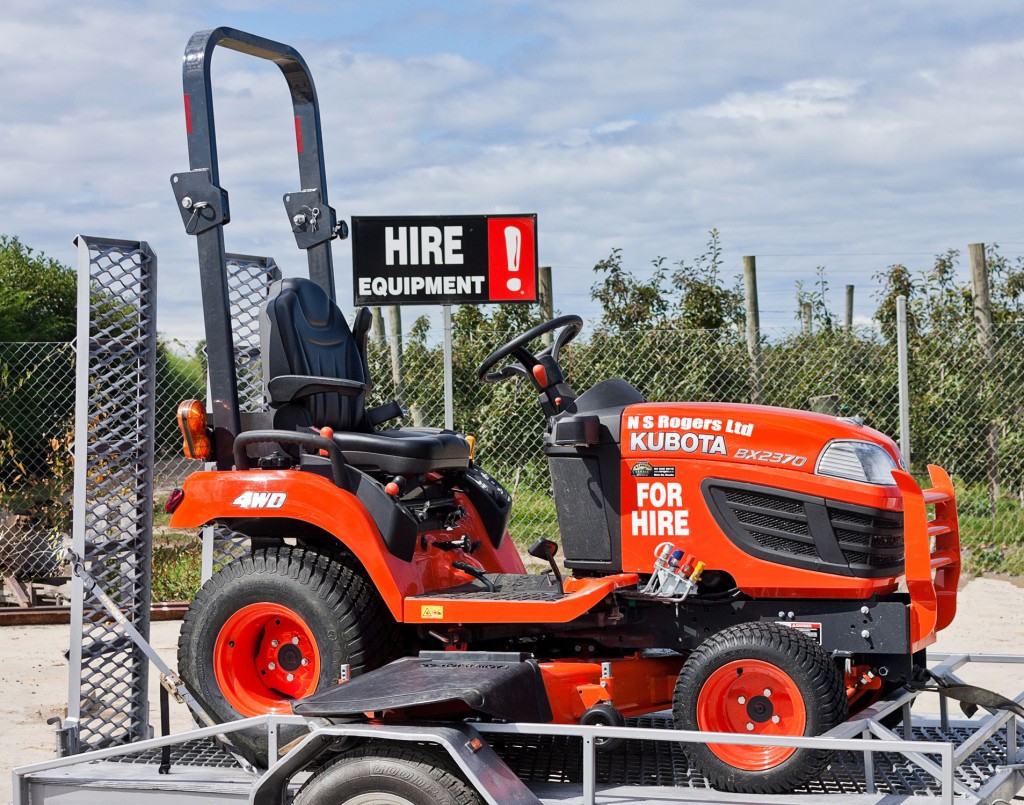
(307, 499)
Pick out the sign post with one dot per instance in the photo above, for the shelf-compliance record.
(444, 260)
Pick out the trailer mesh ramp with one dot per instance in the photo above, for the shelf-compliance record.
(540, 759)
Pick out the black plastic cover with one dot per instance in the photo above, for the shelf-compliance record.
(497, 684)
(491, 500)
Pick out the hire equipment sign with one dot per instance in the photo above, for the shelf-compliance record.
(444, 260)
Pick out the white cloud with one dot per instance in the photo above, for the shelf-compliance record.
(853, 130)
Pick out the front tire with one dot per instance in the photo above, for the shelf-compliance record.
(759, 679)
(388, 775)
(275, 626)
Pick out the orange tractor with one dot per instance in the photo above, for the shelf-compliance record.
(757, 570)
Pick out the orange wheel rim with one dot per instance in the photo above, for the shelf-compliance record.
(752, 697)
(264, 657)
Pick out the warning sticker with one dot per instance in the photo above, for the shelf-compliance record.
(428, 612)
(809, 628)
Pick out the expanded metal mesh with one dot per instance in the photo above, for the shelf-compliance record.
(37, 395)
(249, 280)
(556, 759)
(113, 507)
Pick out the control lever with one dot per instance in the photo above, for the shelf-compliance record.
(546, 549)
(476, 573)
(465, 544)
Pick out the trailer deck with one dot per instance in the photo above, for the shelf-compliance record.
(976, 760)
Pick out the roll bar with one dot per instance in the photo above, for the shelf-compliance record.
(204, 208)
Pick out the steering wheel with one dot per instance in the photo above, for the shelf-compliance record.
(527, 360)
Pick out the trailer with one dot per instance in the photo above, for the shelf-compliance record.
(927, 758)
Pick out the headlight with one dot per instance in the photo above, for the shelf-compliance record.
(856, 461)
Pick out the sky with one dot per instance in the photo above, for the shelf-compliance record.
(849, 135)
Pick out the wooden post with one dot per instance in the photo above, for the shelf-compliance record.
(753, 316)
(805, 317)
(982, 300)
(395, 325)
(983, 327)
(848, 321)
(546, 300)
(377, 333)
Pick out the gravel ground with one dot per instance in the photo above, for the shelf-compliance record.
(33, 671)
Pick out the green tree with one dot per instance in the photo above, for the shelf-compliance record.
(37, 295)
(693, 296)
(628, 303)
(702, 300)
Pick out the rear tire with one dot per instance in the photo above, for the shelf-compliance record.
(760, 679)
(275, 626)
(388, 775)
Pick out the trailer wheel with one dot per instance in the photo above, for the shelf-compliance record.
(388, 775)
(275, 626)
(759, 679)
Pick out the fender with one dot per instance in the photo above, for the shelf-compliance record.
(306, 498)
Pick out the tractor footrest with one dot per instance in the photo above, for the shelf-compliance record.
(507, 587)
(502, 685)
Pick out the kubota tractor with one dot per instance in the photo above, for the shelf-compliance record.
(757, 570)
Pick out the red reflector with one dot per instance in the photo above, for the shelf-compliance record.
(174, 501)
(541, 374)
(298, 133)
(188, 115)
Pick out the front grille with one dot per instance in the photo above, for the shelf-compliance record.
(766, 501)
(761, 520)
(806, 531)
(785, 545)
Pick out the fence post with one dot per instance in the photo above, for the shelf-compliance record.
(545, 297)
(377, 332)
(395, 325)
(903, 370)
(805, 317)
(983, 327)
(848, 320)
(753, 316)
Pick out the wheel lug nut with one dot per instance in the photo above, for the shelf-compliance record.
(768, 692)
(290, 677)
(271, 666)
(273, 644)
(742, 700)
(775, 719)
(305, 661)
(750, 725)
(295, 640)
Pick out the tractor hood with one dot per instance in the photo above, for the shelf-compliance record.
(758, 435)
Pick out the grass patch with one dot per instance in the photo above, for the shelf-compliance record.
(177, 571)
(533, 516)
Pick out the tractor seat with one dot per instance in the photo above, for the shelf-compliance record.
(401, 451)
(316, 375)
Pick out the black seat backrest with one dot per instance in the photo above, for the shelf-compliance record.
(304, 333)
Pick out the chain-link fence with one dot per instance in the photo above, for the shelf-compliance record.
(37, 400)
(966, 403)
